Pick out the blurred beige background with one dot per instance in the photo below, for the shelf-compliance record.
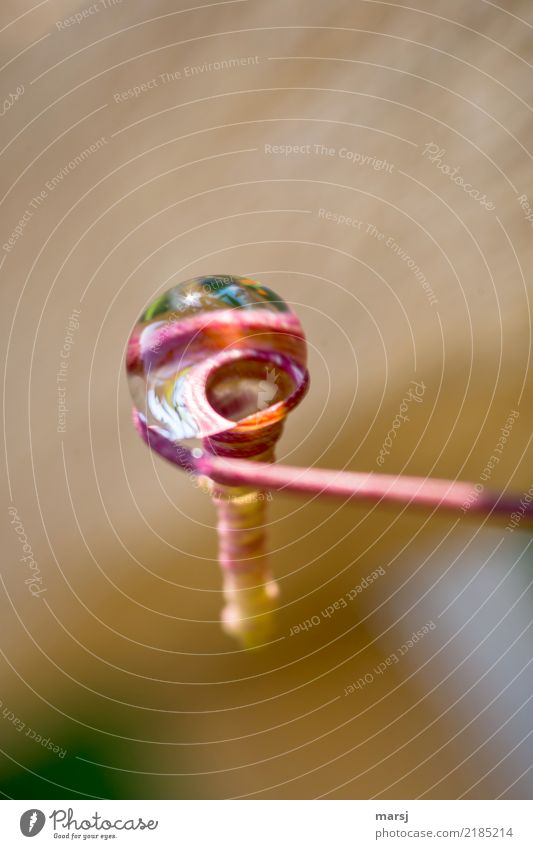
(122, 661)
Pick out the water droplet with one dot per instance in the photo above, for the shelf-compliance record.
(212, 353)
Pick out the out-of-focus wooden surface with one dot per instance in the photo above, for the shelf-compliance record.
(125, 646)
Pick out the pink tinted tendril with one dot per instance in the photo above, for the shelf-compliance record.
(197, 361)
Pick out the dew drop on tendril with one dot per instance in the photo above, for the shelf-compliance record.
(221, 359)
(214, 354)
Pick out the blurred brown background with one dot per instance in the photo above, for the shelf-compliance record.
(131, 160)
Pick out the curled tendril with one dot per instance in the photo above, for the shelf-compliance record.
(199, 368)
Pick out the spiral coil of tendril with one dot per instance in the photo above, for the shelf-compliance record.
(199, 363)
(195, 362)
